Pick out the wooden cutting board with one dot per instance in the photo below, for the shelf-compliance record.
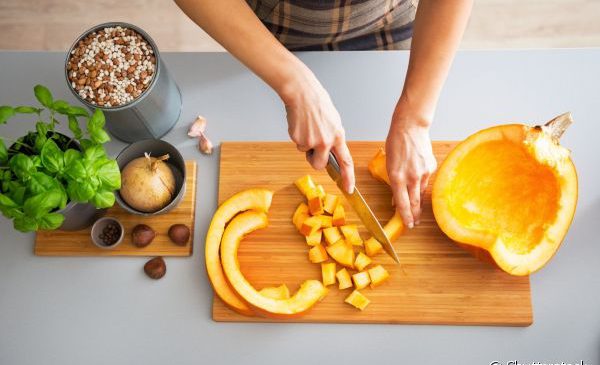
(79, 243)
(437, 283)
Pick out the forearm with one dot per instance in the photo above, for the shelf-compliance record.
(233, 24)
(438, 29)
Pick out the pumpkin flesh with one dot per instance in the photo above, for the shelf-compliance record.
(509, 190)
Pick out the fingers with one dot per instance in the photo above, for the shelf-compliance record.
(414, 195)
(344, 158)
(402, 202)
(318, 157)
(424, 183)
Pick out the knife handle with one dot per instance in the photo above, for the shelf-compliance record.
(332, 161)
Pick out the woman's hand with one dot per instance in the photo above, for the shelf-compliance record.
(314, 125)
(410, 163)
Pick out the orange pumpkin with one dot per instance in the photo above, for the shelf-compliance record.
(508, 193)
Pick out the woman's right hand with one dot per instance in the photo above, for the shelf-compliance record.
(315, 125)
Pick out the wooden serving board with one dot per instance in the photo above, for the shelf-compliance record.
(437, 283)
(79, 243)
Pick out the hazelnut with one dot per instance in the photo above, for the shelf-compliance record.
(142, 235)
(179, 234)
(156, 268)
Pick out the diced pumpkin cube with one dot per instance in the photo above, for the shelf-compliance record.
(361, 261)
(300, 215)
(332, 235)
(321, 192)
(350, 232)
(276, 292)
(315, 203)
(326, 221)
(344, 279)
(317, 254)
(328, 273)
(378, 275)
(394, 227)
(361, 280)
(342, 252)
(310, 226)
(330, 202)
(357, 300)
(305, 184)
(339, 216)
(315, 238)
(373, 247)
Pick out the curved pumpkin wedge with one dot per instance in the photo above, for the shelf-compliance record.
(509, 193)
(310, 292)
(276, 292)
(255, 199)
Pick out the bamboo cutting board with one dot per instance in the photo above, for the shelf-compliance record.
(437, 283)
(79, 243)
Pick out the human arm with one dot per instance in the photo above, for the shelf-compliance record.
(438, 29)
(313, 121)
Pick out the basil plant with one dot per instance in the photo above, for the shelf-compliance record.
(44, 170)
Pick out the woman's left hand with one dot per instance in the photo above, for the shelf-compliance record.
(410, 163)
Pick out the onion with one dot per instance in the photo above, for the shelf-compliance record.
(147, 183)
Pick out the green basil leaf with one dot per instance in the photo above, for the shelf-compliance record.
(22, 166)
(80, 192)
(25, 224)
(6, 112)
(110, 175)
(85, 143)
(99, 136)
(40, 204)
(9, 207)
(103, 199)
(24, 109)
(52, 157)
(43, 95)
(61, 106)
(3, 152)
(40, 140)
(17, 194)
(96, 121)
(76, 170)
(40, 182)
(70, 156)
(7, 202)
(74, 127)
(78, 111)
(41, 128)
(94, 152)
(51, 221)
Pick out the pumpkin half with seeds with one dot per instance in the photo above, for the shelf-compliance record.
(508, 194)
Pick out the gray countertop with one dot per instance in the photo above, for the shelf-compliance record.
(106, 311)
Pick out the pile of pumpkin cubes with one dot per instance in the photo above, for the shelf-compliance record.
(322, 221)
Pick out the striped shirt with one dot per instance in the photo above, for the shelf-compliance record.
(311, 25)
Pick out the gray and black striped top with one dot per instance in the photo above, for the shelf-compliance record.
(306, 25)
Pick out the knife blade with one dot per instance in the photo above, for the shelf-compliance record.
(361, 208)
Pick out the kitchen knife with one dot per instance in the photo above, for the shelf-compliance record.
(361, 208)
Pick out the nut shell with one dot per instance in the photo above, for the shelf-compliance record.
(179, 234)
(156, 268)
(142, 235)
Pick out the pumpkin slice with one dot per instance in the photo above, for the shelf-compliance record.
(328, 273)
(361, 280)
(508, 193)
(342, 252)
(310, 225)
(276, 292)
(378, 275)
(330, 202)
(357, 300)
(350, 232)
(339, 216)
(315, 238)
(310, 292)
(300, 215)
(332, 235)
(362, 261)
(256, 199)
(317, 254)
(373, 247)
(344, 279)
(306, 185)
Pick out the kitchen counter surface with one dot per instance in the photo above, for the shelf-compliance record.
(106, 311)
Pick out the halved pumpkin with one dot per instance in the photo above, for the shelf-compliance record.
(310, 292)
(256, 199)
(509, 193)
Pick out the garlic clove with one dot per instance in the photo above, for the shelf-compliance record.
(198, 127)
(205, 145)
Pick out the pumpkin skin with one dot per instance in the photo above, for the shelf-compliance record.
(252, 199)
(508, 194)
(310, 292)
